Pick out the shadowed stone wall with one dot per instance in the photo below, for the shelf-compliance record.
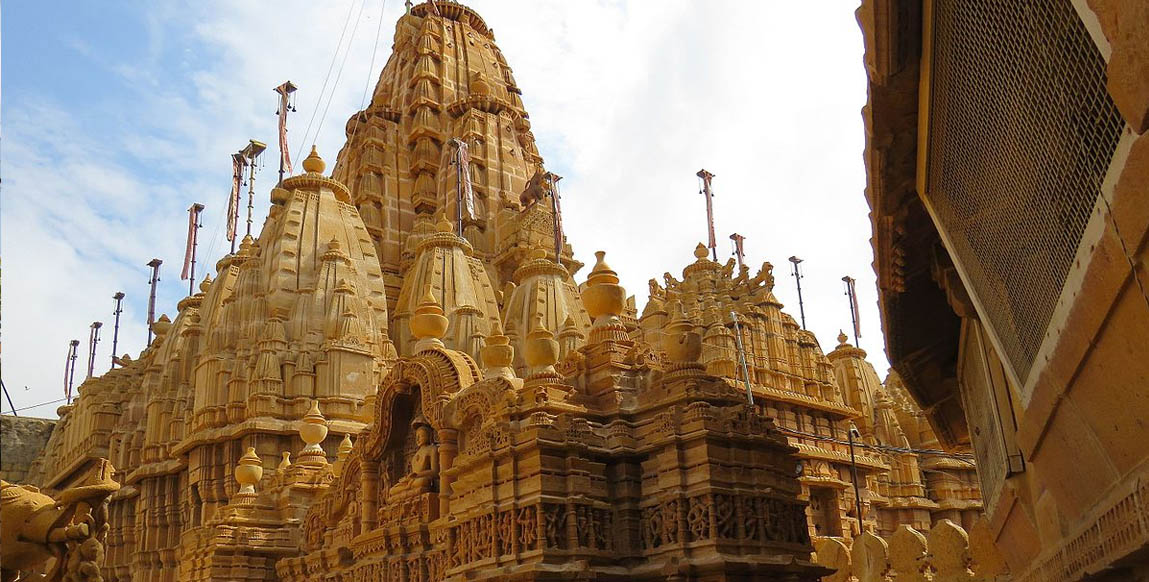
(21, 442)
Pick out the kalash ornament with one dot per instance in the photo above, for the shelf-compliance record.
(313, 429)
(604, 299)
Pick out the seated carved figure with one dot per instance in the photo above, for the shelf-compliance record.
(424, 468)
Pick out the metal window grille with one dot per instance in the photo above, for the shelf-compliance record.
(1022, 131)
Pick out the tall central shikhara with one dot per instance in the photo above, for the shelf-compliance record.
(415, 319)
(445, 91)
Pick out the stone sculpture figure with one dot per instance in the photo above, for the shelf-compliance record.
(539, 187)
(70, 528)
(424, 467)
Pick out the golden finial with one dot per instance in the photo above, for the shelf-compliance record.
(497, 353)
(601, 273)
(701, 251)
(428, 325)
(313, 429)
(246, 246)
(443, 225)
(162, 325)
(842, 338)
(314, 164)
(542, 351)
(205, 284)
(248, 472)
(683, 345)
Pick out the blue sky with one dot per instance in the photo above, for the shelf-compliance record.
(117, 116)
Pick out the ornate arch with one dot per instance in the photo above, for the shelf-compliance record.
(436, 375)
(479, 399)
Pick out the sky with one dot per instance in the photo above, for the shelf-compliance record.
(117, 116)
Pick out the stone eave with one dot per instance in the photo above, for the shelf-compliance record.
(921, 329)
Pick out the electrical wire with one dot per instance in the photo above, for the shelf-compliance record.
(370, 69)
(887, 448)
(339, 75)
(36, 405)
(323, 89)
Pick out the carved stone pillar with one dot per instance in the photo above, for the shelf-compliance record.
(448, 448)
(369, 491)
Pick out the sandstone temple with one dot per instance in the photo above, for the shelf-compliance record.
(384, 386)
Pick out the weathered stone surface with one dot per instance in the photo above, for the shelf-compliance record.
(22, 441)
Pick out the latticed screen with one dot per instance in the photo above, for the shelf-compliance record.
(1022, 131)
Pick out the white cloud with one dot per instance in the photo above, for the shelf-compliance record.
(627, 100)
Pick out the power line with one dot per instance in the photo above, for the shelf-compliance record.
(339, 75)
(370, 68)
(323, 89)
(58, 400)
(932, 452)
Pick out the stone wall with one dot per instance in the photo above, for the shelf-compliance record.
(22, 440)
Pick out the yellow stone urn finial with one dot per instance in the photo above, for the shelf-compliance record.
(683, 345)
(284, 462)
(342, 454)
(313, 429)
(162, 325)
(603, 296)
(604, 299)
(248, 472)
(541, 350)
(700, 252)
(428, 325)
(842, 338)
(497, 354)
(443, 224)
(314, 164)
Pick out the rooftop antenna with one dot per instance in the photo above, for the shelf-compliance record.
(237, 166)
(554, 178)
(713, 243)
(70, 368)
(119, 297)
(188, 272)
(464, 194)
(797, 274)
(286, 103)
(739, 248)
(93, 339)
(251, 152)
(155, 265)
(853, 297)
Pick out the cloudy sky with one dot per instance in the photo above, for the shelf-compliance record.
(118, 115)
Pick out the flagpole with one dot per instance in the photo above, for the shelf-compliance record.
(713, 243)
(853, 298)
(190, 250)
